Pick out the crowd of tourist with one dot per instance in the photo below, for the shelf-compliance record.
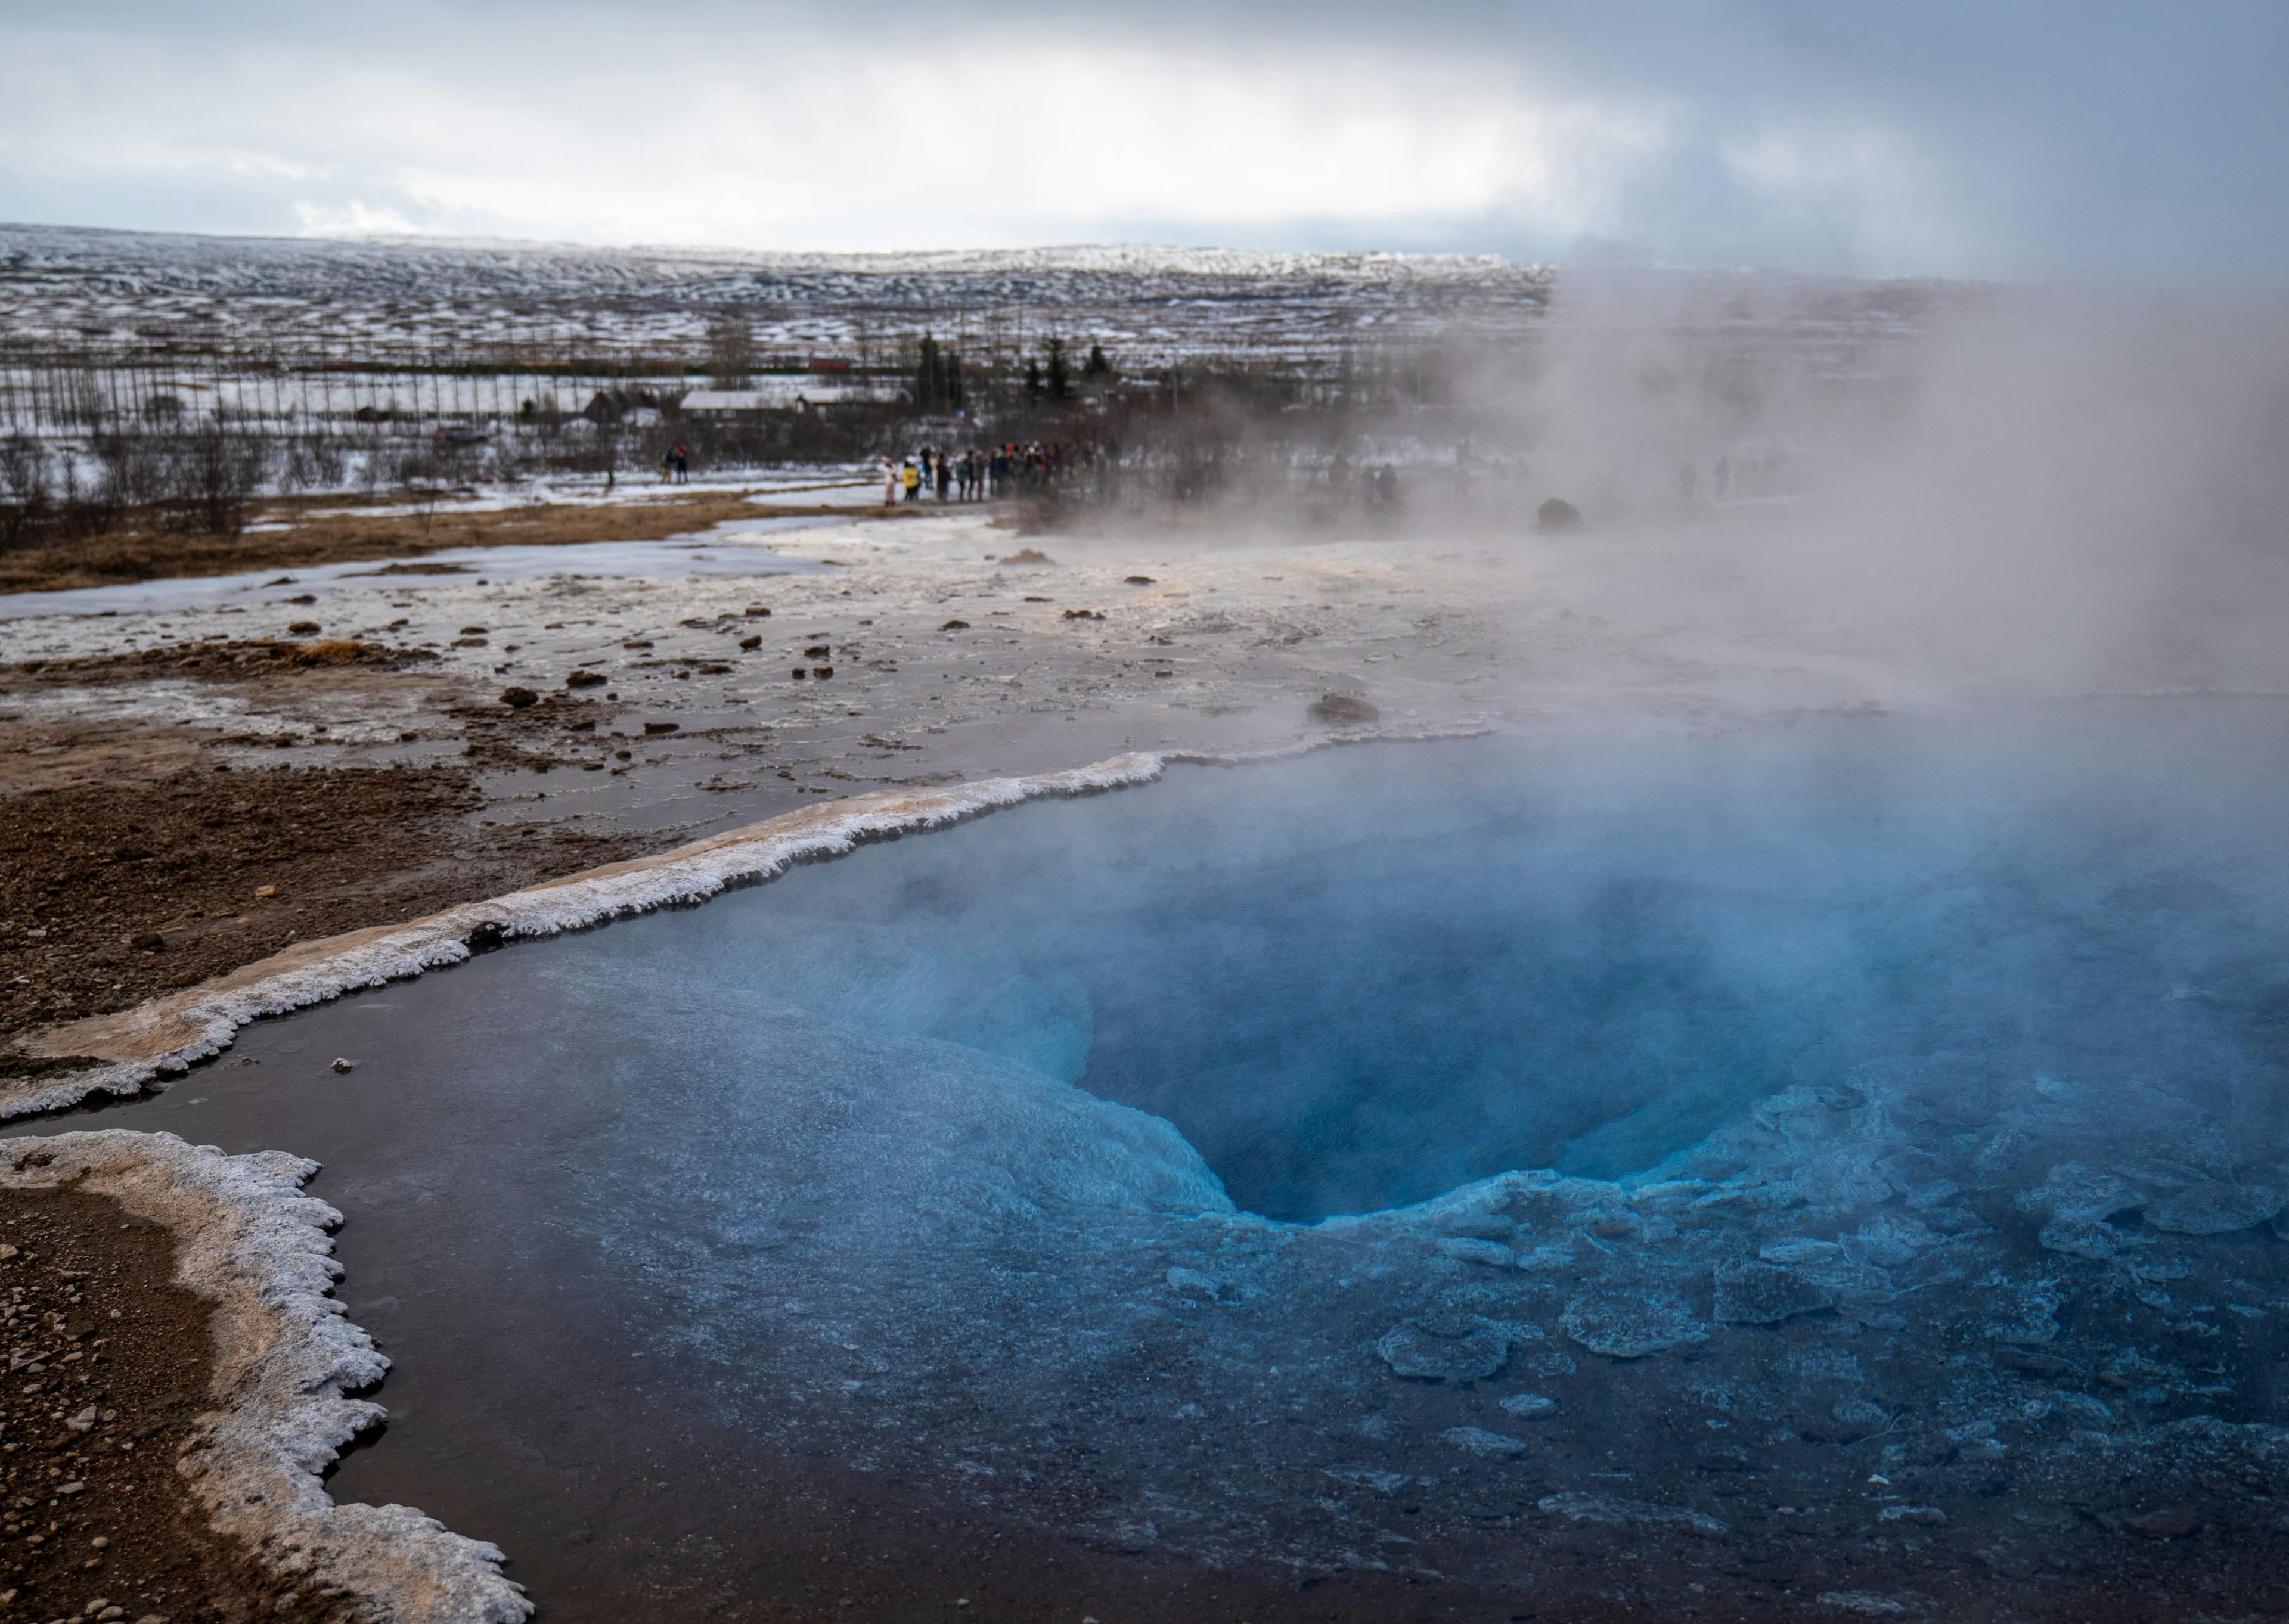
(980, 475)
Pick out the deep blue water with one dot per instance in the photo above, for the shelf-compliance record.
(1362, 978)
(695, 1237)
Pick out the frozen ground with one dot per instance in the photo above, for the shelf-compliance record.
(1158, 305)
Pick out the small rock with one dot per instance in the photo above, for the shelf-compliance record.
(756, 642)
(798, 673)
(473, 631)
(517, 699)
(1342, 708)
(662, 726)
(150, 942)
(2175, 1522)
(1869, 1604)
(1478, 1441)
(1763, 1295)
(302, 628)
(1930, 1517)
(1557, 516)
(261, 891)
(1491, 1253)
(955, 625)
(1082, 614)
(1604, 1509)
(1192, 1283)
(341, 1065)
(1026, 555)
(596, 678)
(821, 673)
(756, 610)
(1530, 1406)
(1630, 1327)
(1137, 580)
(818, 651)
(2215, 1208)
(1444, 1347)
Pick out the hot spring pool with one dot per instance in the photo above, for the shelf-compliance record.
(1634, 1157)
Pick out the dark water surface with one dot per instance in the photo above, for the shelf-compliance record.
(802, 1250)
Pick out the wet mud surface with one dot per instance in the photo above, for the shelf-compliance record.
(113, 895)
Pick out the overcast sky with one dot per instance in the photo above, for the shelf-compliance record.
(2085, 137)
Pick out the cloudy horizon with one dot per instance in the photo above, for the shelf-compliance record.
(2110, 140)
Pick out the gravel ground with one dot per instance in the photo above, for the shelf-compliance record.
(108, 1362)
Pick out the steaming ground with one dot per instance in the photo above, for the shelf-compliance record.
(222, 764)
(196, 782)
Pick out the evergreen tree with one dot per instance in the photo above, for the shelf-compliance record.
(929, 377)
(1032, 379)
(1060, 375)
(1098, 364)
(950, 372)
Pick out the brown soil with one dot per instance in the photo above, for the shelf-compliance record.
(111, 893)
(144, 550)
(109, 1361)
(226, 660)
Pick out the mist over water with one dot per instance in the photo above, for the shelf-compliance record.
(1404, 968)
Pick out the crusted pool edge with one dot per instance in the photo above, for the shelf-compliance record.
(166, 1036)
(286, 1356)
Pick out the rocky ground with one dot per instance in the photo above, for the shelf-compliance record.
(107, 1365)
(192, 786)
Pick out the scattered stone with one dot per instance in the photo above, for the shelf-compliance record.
(757, 611)
(1630, 1327)
(1606, 1508)
(1530, 1406)
(1557, 516)
(955, 625)
(593, 679)
(662, 726)
(1082, 614)
(1455, 1347)
(1491, 1253)
(1193, 1283)
(1929, 1517)
(1137, 580)
(518, 698)
(303, 628)
(818, 651)
(344, 1066)
(1342, 708)
(2211, 1208)
(2175, 1522)
(821, 673)
(798, 673)
(473, 631)
(756, 642)
(1869, 1604)
(1763, 1294)
(1478, 1441)
(147, 942)
(1026, 555)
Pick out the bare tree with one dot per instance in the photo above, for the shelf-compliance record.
(26, 488)
(731, 350)
(217, 472)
